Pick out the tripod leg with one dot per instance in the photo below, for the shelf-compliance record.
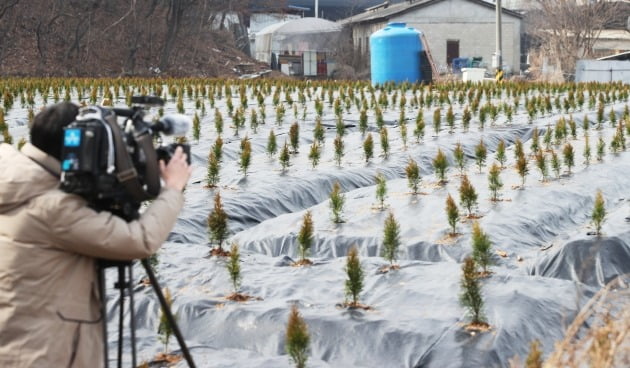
(101, 290)
(121, 286)
(132, 317)
(168, 313)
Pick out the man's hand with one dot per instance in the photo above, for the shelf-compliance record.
(177, 172)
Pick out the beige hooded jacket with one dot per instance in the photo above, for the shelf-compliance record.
(49, 298)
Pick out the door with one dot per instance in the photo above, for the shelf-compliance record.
(452, 51)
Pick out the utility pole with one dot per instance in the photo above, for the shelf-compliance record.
(316, 8)
(498, 60)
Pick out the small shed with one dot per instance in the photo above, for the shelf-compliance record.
(304, 46)
(613, 68)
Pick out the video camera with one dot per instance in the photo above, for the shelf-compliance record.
(113, 163)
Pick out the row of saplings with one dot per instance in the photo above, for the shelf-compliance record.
(540, 143)
(474, 268)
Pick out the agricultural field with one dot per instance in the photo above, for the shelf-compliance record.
(450, 225)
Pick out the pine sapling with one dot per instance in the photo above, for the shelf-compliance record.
(340, 126)
(460, 157)
(466, 118)
(253, 120)
(294, 137)
(494, 181)
(452, 214)
(480, 154)
(569, 156)
(391, 239)
(535, 356)
(217, 148)
(612, 117)
(218, 121)
(535, 141)
(368, 147)
(212, 175)
(337, 200)
(384, 142)
(363, 121)
(586, 124)
(467, 195)
(196, 127)
(165, 330)
(381, 190)
(285, 157)
(318, 131)
(413, 175)
(518, 149)
(450, 118)
(482, 247)
(418, 131)
(338, 144)
(272, 146)
(314, 154)
(599, 212)
(541, 163)
(233, 266)
(403, 134)
(440, 164)
(297, 338)
(305, 237)
(437, 120)
(500, 155)
(246, 155)
(380, 122)
(356, 275)
(470, 296)
(587, 151)
(601, 149)
(555, 163)
(522, 169)
(217, 222)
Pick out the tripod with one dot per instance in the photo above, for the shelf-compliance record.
(125, 282)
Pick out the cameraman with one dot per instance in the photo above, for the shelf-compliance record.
(49, 244)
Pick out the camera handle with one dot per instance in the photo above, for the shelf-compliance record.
(123, 284)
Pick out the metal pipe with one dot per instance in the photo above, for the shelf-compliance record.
(316, 8)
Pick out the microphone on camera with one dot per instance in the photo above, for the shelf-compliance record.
(173, 124)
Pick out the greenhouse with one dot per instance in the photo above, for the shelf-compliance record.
(303, 46)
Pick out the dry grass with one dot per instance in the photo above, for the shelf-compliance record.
(477, 327)
(448, 239)
(387, 268)
(352, 305)
(599, 336)
(219, 252)
(238, 297)
(302, 262)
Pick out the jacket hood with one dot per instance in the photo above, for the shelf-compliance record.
(25, 175)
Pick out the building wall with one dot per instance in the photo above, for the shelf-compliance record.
(361, 35)
(469, 23)
(602, 71)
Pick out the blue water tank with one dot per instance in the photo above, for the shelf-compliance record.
(395, 54)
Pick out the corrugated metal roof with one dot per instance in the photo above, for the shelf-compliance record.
(387, 11)
(620, 56)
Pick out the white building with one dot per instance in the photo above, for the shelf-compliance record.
(453, 29)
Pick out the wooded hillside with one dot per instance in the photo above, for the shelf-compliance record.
(119, 37)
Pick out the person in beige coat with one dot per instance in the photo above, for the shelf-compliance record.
(49, 244)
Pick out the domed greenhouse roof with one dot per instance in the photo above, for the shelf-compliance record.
(297, 36)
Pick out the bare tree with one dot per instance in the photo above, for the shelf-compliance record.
(566, 30)
(122, 37)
